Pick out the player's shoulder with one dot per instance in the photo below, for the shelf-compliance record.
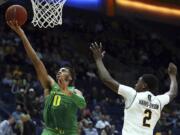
(126, 90)
(163, 97)
(78, 92)
(145, 93)
(160, 96)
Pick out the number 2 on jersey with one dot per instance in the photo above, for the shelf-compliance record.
(57, 100)
(147, 117)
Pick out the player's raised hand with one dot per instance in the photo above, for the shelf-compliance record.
(97, 50)
(172, 69)
(15, 27)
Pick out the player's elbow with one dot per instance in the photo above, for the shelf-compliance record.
(175, 91)
(106, 80)
(173, 94)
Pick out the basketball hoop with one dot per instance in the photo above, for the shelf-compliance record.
(47, 13)
(3, 1)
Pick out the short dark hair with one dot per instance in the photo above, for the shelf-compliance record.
(151, 81)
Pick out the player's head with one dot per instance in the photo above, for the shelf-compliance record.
(68, 72)
(147, 82)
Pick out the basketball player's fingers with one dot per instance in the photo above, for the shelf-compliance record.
(8, 23)
(12, 25)
(172, 69)
(93, 46)
(170, 63)
(103, 53)
(100, 45)
(172, 66)
(16, 23)
(92, 49)
(97, 46)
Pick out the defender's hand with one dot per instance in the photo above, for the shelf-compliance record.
(97, 51)
(15, 27)
(172, 69)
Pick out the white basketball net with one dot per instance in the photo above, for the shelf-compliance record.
(47, 13)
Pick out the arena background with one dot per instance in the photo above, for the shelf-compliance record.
(136, 42)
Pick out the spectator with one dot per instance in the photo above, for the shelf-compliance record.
(107, 130)
(90, 130)
(96, 113)
(6, 126)
(17, 116)
(176, 128)
(102, 123)
(7, 80)
(28, 125)
(114, 131)
(20, 96)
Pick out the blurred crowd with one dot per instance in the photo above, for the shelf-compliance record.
(130, 52)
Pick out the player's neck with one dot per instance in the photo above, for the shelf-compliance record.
(143, 90)
(66, 92)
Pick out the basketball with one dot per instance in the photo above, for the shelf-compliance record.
(16, 12)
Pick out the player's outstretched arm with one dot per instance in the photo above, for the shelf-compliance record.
(172, 71)
(45, 79)
(106, 78)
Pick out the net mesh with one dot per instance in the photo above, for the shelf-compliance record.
(47, 13)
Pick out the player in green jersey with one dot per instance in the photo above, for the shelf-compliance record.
(61, 100)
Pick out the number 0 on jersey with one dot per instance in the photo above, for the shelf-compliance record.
(57, 100)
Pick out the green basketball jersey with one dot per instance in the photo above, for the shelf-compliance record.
(60, 112)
